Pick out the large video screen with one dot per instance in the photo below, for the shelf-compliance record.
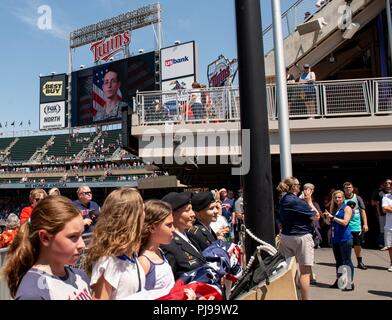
(100, 93)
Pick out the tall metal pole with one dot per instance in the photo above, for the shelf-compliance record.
(281, 93)
(70, 67)
(389, 20)
(257, 184)
(159, 26)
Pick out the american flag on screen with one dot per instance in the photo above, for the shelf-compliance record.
(98, 96)
(138, 75)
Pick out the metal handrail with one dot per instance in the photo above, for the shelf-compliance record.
(289, 27)
(348, 97)
(294, 5)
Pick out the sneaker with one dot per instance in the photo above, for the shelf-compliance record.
(361, 266)
(390, 268)
(351, 289)
(384, 249)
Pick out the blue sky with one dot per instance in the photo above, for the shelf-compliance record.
(28, 51)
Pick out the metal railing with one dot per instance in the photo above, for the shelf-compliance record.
(4, 291)
(355, 97)
(190, 106)
(382, 92)
(291, 18)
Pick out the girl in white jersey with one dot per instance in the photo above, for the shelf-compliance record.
(112, 257)
(39, 259)
(157, 229)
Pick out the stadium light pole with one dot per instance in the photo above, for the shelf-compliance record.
(159, 26)
(257, 183)
(69, 91)
(281, 93)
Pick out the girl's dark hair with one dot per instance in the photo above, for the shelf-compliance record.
(155, 212)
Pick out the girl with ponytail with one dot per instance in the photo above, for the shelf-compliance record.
(38, 262)
(157, 229)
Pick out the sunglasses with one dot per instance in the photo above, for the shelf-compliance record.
(86, 193)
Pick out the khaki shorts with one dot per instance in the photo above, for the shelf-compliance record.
(300, 247)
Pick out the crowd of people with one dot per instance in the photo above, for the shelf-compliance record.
(142, 249)
(196, 105)
(344, 214)
(137, 249)
(74, 168)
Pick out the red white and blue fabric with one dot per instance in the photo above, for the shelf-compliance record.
(223, 260)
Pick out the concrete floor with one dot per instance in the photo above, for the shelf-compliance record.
(375, 283)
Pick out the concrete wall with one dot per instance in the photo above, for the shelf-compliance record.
(327, 135)
(297, 48)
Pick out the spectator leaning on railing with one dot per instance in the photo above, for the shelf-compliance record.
(35, 197)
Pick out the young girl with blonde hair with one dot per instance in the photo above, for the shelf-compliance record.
(39, 259)
(112, 258)
(158, 229)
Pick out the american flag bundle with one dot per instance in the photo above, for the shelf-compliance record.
(204, 283)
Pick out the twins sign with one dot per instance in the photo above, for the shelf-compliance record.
(106, 48)
(221, 72)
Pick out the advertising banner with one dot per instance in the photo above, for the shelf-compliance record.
(221, 72)
(178, 84)
(53, 88)
(101, 92)
(178, 61)
(52, 115)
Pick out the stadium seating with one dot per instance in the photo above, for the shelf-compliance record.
(111, 138)
(65, 145)
(58, 160)
(5, 142)
(26, 147)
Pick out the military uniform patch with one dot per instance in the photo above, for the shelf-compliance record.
(193, 229)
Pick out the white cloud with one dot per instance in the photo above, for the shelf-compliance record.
(28, 14)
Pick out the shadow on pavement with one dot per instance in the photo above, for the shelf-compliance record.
(376, 268)
(322, 285)
(328, 264)
(381, 293)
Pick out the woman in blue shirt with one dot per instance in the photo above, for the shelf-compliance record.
(296, 216)
(342, 241)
